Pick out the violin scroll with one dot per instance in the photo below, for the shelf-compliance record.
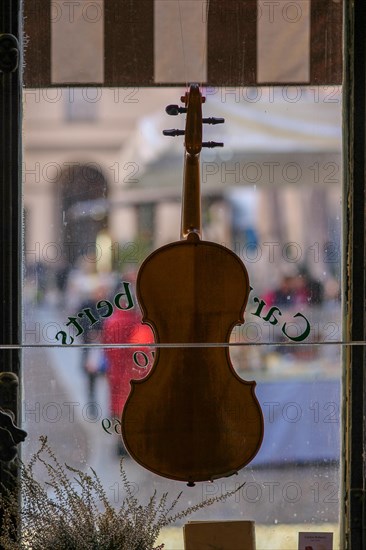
(193, 101)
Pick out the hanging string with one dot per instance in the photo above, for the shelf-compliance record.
(182, 40)
(204, 47)
(204, 50)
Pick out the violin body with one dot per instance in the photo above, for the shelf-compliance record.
(192, 418)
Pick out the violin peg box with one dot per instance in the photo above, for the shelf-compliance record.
(219, 535)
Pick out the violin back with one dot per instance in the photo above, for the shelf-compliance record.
(192, 418)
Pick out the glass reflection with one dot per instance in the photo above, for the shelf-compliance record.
(102, 193)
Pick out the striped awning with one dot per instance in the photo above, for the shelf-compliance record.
(172, 42)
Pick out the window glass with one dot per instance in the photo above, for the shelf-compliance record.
(101, 196)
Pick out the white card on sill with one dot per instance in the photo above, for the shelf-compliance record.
(315, 541)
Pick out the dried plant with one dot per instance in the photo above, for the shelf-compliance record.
(79, 515)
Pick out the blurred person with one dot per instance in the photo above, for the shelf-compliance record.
(36, 282)
(332, 292)
(61, 278)
(288, 293)
(94, 364)
(296, 287)
(125, 327)
(298, 291)
(84, 289)
(314, 288)
(93, 359)
(84, 279)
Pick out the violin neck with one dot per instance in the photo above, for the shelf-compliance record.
(191, 200)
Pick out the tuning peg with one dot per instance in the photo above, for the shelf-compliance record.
(173, 133)
(175, 110)
(213, 120)
(212, 144)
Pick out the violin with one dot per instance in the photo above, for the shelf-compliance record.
(192, 418)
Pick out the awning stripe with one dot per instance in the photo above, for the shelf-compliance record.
(232, 43)
(283, 50)
(37, 43)
(139, 43)
(77, 42)
(180, 31)
(326, 42)
(129, 43)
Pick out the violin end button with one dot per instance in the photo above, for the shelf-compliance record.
(191, 484)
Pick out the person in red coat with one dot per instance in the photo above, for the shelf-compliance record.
(125, 363)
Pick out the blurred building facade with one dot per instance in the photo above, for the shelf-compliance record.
(99, 177)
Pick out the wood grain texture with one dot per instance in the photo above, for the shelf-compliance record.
(129, 43)
(192, 419)
(37, 51)
(326, 65)
(232, 43)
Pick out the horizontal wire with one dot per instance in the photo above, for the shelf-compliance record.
(184, 345)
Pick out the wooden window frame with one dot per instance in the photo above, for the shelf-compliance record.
(354, 523)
